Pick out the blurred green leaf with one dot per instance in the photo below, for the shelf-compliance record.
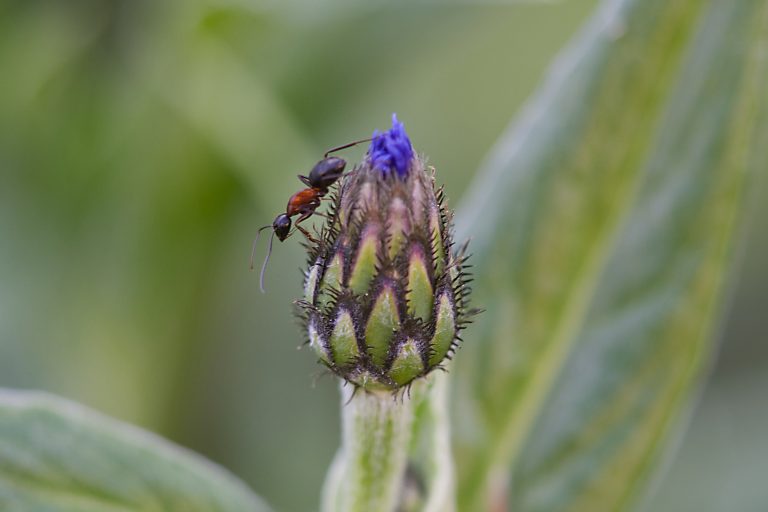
(58, 456)
(602, 226)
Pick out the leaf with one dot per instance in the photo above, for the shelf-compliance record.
(56, 455)
(602, 226)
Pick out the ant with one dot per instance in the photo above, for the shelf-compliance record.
(304, 202)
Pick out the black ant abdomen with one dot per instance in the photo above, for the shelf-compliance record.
(325, 173)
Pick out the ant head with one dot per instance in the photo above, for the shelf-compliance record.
(281, 226)
(326, 172)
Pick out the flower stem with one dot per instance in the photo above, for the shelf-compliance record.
(367, 474)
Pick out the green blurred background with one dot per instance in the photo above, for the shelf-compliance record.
(143, 142)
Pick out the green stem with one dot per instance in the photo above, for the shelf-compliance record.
(441, 480)
(368, 471)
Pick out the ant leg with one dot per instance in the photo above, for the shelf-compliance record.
(345, 146)
(304, 216)
(306, 234)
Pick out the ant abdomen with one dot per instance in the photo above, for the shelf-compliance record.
(326, 172)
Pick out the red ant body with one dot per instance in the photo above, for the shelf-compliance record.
(305, 202)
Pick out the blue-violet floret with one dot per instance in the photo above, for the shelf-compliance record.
(391, 151)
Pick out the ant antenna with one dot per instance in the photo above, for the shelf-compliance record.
(253, 247)
(266, 260)
(345, 146)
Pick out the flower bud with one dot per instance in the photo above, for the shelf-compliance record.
(385, 297)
